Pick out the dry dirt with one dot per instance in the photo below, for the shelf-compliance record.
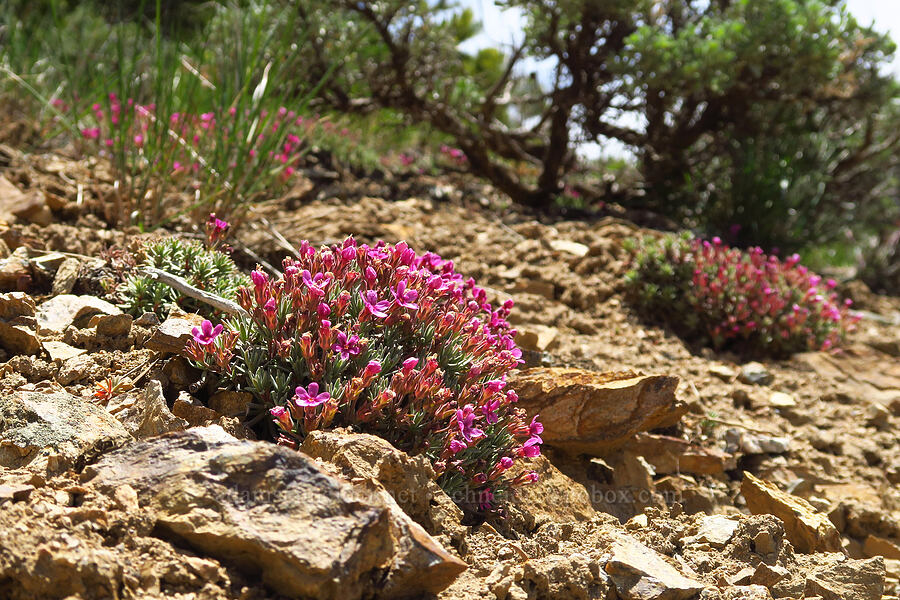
(824, 427)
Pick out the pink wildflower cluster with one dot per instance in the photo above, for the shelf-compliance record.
(278, 146)
(746, 300)
(390, 342)
(455, 155)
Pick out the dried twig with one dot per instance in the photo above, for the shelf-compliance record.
(180, 285)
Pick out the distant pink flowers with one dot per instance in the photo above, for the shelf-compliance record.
(743, 299)
(206, 334)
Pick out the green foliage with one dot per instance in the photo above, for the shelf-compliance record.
(208, 270)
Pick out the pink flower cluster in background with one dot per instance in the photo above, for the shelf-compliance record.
(742, 299)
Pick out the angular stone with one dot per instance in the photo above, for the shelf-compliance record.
(63, 428)
(746, 592)
(28, 207)
(554, 497)
(569, 247)
(410, 480)
(15, 274)
(66, 276)
(640, 573)
(112, 325)
(673, 455)
(18, 339)
(173, 334)
(715, 530)
(149, 415)
(77, 368)
(17, 324)
(230, 403)
(722, 372)
(847, 580)
(595, 413)
(194, 414)
(755, 373)
(61, 351)
(782, 400)
(264, 508)
(768, 575)
(807, 529)
(740, 440)
(878, 546)
(537, 338)
(64, 310)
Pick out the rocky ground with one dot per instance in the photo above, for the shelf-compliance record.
(669, 472)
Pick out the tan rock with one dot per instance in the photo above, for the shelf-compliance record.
(149, 415)
(61, 351)
(173, 334)
(410, 480)
(673, 455)
(272, 510)
(569, 247)
(538, 338)
(29, 207)
(15, 274)
(17, 324)
(194, 414)
(847, 580)
(231, 403)
(112, 325)
(807, 529)
(878, 546)
(59, 312)
(66, 275)
(554, 497)
(640, 573)
(54, 432)
(595, 413)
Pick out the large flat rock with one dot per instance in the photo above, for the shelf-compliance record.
(595, 413)
(271, 510)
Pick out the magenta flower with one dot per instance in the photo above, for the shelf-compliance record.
(310, 396)
(536, 428)
(259, 278)
(315, 283)
(485, 498)
(409, 364)
(345, 346)
(373, 306)
(489, 410)
(91, 133)
(372, 369)
(270, 305)
(465, 420)
(457, 446)
(531, 447)
(403, 297)
(506, 463)
(206, 333)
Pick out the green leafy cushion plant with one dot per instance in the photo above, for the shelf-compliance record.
(206, 269)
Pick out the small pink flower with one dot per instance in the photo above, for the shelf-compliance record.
(91, 133)
(465, 420)
(206, 333)
(310, 396)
